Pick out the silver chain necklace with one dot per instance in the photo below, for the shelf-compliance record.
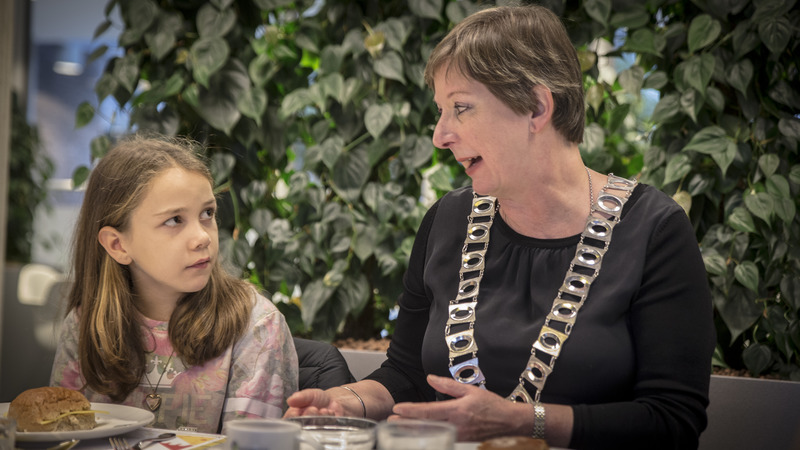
(594, 242)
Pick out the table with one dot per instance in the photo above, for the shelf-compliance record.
(212, 441)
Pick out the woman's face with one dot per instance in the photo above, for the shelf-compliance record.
(172, 239)
(487, 137)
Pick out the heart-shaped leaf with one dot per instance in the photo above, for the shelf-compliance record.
(741, 220)
(677, 167)
(709, 140)
(377, 118)
(350, 173)
(698, 71)
(390, 65)
(775, 32)
(353, 293)
(746, 273)
(221, 166)
(416, 151)
(598, 10)
(252, 103)
(757, 358)
(738, 309)
(126, 71)
(740, 75)
(315, 295)
(667, 108)
(760, 204)
(429, 9)
(642, 41)
(790, 290)
(213, 22)
(703, 31)
(217, 105)
(208, 55)
(84, 114)
(691, 103)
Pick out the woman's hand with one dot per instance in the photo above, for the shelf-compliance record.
(477, 413)
(355, 400)
(313, 402)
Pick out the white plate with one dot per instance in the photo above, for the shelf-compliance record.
(120, 419)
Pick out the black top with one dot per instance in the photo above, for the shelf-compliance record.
(637, 365)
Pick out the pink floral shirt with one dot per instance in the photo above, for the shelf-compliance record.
(252, 378)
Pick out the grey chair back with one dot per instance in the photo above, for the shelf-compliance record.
(752, 414)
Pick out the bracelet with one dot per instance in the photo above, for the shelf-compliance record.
(538, 421)
(363, 406)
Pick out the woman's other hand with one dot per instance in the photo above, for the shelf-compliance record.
(313, 402)
(479, 414)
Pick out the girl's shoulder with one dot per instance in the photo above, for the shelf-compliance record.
(262, 307)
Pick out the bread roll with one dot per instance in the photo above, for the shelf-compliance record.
(514, 443)
(51, 409)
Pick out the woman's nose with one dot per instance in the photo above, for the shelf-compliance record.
(442, 137)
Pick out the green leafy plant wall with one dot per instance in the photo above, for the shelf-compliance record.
(29, 170)
(319, 126)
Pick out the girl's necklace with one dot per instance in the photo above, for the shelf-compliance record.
(153, 399)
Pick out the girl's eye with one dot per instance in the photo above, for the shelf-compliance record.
(173, 221)
(209, 213)
(461, 109)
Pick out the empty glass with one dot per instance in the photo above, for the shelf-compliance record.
(339, 433)
(408, 434)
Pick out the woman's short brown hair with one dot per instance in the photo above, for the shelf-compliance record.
(512, 49)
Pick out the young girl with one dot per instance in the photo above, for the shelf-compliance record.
(153, 320)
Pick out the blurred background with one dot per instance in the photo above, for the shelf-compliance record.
(50, 74)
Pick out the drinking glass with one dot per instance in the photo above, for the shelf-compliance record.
(408, 434)
(265, 434)
(339, 433)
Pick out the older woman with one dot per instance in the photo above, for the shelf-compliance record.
(546, 299)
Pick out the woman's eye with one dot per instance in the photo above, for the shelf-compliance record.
(461, 109)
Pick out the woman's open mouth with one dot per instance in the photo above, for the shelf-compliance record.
(468, 163)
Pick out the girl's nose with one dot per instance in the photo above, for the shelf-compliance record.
(204, 242)
(201, 238)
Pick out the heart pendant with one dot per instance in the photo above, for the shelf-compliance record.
(153, 401)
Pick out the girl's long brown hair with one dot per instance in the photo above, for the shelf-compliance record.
(111, 344)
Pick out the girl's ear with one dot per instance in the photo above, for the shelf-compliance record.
(541, 117)
(111, 239)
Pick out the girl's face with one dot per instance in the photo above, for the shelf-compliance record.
(172, 240)
(487, 137)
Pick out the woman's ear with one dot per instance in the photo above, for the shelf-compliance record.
(111, 240)
(544, 112)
